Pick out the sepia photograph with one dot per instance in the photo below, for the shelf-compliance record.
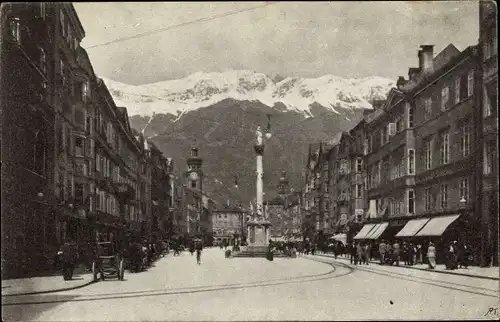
(249, 161)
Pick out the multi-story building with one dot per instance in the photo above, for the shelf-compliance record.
(28, 92)
(487, 194)
(284, 211)
(228, 225)
(422, 187)
(160, 192)
(390, 160)
(311, 196)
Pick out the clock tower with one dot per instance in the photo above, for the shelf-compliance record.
(194, 173)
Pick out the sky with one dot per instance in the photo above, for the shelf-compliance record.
(303, 39)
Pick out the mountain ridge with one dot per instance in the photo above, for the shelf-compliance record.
(200, 90)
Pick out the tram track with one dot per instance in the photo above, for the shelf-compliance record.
(332, 273)
(478, 290)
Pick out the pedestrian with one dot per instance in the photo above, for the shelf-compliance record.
(396, 251)
(359, 251)
(451, 258)
(431, 255)
(368, 248)
(404, 253)
(353, 252)
(419, 254)
(199, 248)
(381, 250)
(413, 251)
(68, 257)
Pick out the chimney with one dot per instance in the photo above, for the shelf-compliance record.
(420, 60)
(412, 72)
(401, 82)
(427, 58)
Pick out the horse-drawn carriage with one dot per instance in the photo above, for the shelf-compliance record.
(109, 262)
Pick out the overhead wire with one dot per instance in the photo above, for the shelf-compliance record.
(187, 23)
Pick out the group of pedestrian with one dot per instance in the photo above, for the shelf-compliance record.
(359, 252)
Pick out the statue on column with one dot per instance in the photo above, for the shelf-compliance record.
(258, 133)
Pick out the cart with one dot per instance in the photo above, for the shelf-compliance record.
(109, 263)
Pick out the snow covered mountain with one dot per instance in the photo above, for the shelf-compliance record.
(177, 97)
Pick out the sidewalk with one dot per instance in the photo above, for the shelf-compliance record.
(473, 271)
(45, 284)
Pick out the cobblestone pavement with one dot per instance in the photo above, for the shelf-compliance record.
(305, 288)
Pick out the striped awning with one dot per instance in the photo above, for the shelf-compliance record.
(377, 231)
(364, 231)
(437, 226)
(412, 227)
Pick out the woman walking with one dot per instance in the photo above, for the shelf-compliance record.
(431, 256)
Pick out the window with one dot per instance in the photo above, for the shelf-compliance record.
(79, 146)
(15, 29)
(411, 201)
(382, 136)
(359, 191)
(445, 92)
(62, 23)
(61, 72)
(193, 184)
(43, 61)
(359, 165)
(370, 144)
(457, 89)
(69, 38)
(444, 196)
(39, 153)
(85, 91)
(409, 107)
(411, 161)
(79, 193)
(465, 140)
(470, 83)
(427, 108)
(445, 148)
(464, 189)
(428, 153)
(428, 199)
(490, 100)
(489, 156)
(399, 125)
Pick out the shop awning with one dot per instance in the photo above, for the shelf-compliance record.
(364, 231)
(412, 227)
(377, 231)
(437, 226)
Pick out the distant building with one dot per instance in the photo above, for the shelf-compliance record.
(228, 225)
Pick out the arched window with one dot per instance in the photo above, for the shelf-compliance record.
(39, 152)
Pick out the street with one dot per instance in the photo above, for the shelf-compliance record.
(305, 288)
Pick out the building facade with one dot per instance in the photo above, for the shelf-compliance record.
(72, 168)
(488, 130)
(228, 225)
(29, 98)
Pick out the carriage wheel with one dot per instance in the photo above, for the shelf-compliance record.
(94, 271)
(121, 271)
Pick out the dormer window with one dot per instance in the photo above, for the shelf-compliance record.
(15, 30)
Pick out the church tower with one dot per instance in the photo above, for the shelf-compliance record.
(194, 173)
(283, 184)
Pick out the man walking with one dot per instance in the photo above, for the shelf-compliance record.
(199, 248)
(382, 249)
